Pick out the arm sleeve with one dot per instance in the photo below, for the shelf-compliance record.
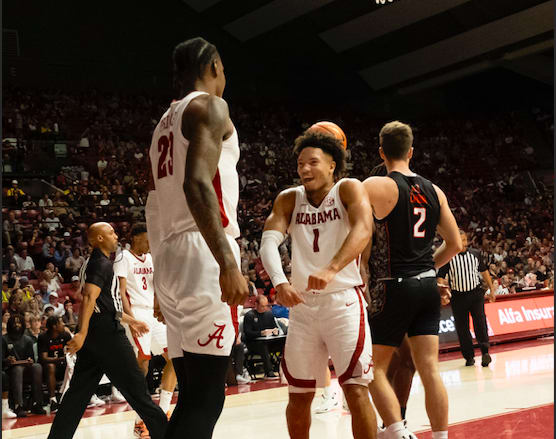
(270, 256)
(249, 327)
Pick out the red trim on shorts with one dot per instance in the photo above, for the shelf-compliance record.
(218, 189)
(360, 343)
(140, 354)
(235, 320)
(307, 384)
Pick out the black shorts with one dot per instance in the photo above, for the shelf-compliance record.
(411, 306)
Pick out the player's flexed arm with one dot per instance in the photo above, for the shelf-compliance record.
(274, 232)
(206, 123)
(355, 200)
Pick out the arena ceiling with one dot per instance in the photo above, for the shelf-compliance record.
(406, 45)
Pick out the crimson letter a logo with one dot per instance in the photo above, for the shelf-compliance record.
(216, 335)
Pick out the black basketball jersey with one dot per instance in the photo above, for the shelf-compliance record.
(409, 229)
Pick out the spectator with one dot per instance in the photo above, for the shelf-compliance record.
(60, 256)
(5, 317)
(24, 262)
(36, 305)
(59, 310)
(48, 250)
(541, 273)
(9, 257)
(74, 291)
(14, 190)
(15, 303)
(27, 288)
(11, 228)
(101, 166)
(53, 277)
(52, 356)
(45, 201)
(35, 328)
(74, 263)
(45, 291)
(251, 286)
(6, 293)
(69, 317)
(52, 222)
(17, 362)
(259, 322)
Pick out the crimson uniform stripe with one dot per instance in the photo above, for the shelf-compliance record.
(294, 381)
(235, 321)
(218, 189)
(360, 342)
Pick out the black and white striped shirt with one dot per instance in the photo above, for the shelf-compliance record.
(464, 270)
(98, 270)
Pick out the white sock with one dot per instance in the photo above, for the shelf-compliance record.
(5, 405)
(327, 392)
(439, 435)
(395, 427)
(165, 400)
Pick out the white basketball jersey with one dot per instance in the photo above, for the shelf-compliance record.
(168, 154)
(317, 235)
(138, 271)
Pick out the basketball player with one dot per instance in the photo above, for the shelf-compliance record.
(329, 221)
(408, 210)
(134, 269)
(102, 346)
(193, 155)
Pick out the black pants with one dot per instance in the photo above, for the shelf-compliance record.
(261, 348)
(28, 374)
(106, 351)
(201, 381)
(463, 304)
(238, 358)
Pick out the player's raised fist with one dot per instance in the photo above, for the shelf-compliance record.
(288, 296)
(233, 286)
(320, 279)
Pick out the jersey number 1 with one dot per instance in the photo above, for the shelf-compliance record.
(422, 213)
(316, 241)
(165, 148)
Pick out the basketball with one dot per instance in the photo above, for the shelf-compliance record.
(330, 128)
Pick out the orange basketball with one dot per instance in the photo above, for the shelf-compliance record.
(331, 129)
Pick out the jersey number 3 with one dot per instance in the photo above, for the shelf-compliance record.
(166, 148)
(422, 213)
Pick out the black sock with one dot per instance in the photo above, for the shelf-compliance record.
(403, 412)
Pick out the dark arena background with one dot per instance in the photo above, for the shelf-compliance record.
(85, 84)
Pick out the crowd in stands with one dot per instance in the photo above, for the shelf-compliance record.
(484, 163)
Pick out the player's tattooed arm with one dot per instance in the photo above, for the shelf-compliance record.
(206, 122)
(359, 211)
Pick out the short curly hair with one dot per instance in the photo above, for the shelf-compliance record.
(328, 144)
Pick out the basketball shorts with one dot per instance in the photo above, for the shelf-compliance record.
(328, 325)
(411, 306)
(188, 289)
(154, 341)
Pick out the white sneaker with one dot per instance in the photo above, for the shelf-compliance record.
(241, 379)
(95, 401)
(327, 404)
(116, 397)
(7, 413)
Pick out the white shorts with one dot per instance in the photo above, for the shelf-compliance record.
(154, 341)
(188, 290)
(328, 325)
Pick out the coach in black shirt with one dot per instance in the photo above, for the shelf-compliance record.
(102, 346)
(463, 273)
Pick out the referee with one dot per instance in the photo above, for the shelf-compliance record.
(102, 346)
(463, 273)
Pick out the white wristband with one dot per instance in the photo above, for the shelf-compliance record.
(270, 256)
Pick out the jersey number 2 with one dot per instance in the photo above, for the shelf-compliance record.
(422, 213)
(166, 148)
